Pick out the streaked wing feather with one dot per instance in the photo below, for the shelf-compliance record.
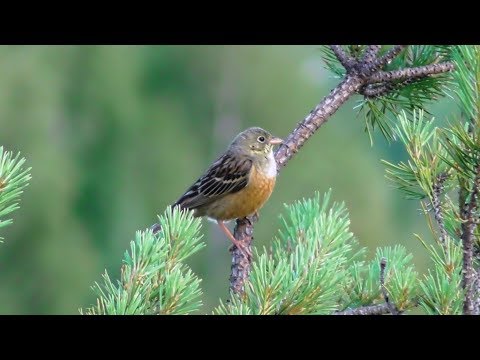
(227, 175)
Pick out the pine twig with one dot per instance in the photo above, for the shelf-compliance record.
(468, 227)
(346, 60)
(385, 59)
(412, 73)
(477, 294)
(437, 208)
(380, 309)
(371, 53)
(392, 309)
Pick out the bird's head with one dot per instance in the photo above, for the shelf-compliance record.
(255, 141)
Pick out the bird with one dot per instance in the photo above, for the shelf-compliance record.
(237, 184)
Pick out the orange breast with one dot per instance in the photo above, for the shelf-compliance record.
(246, 201)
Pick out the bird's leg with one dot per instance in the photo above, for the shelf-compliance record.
(236, 242)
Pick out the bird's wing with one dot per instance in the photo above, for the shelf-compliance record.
(227, 175)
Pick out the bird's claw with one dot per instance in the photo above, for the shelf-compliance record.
(244, 249)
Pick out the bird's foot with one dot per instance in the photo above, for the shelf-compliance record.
(243, 248)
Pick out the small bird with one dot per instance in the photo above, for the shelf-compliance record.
(238, 183)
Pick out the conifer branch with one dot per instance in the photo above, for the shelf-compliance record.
(391, 307)
(380, 309)
(378, 63)
(411, 73)
(359, 73)
(437, 207)
(468, 227)
(371, 53)
(477, 293)
(346, 60)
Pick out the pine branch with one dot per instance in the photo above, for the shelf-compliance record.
(241, 266)
(154, 278)
(411, 73)
(391, 307)
(346, 60)
(377, 90)
(371, 53)
(468, 227)
(437, 207)
(358, 75)
(378, 63)
(477, 294)
(380, 309)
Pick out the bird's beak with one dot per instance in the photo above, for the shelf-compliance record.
(275, 141)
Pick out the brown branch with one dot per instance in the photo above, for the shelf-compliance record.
(380, 309)
(411, 73)
(317, 118)
(477, 294)
(469, 224)
(371, 53)
(358, 74)
(241, 265)
(346, 60)
(437, 208)
(385, 59)
(392, 309)
(376, 90)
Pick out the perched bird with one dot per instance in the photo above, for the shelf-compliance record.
(238, 183)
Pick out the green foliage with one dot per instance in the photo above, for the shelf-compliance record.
(415, 178)
(154, 278)
(451, 153)
(316, 267)
(442, 290)
(13, 179)
(467, 79)
(381, 112)
(400, 280)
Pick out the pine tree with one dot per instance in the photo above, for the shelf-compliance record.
(315, 264)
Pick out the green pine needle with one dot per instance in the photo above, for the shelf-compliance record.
(13, 180)
(154, 279)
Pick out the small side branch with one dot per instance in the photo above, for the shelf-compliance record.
(380, 309)
(477, 294)
(391, 307)
(371, 53)
(385, 59)
(437, 208)
(346, 60)
(411, 73)
(469, 224)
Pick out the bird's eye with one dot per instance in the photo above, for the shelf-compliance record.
(261, 139)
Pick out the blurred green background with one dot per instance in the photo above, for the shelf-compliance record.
(116, 133)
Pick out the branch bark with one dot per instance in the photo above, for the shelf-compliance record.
(380, 309)
(391, 307)
(411, 73)
(437, 208)
(346, 60)
(468, 227)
